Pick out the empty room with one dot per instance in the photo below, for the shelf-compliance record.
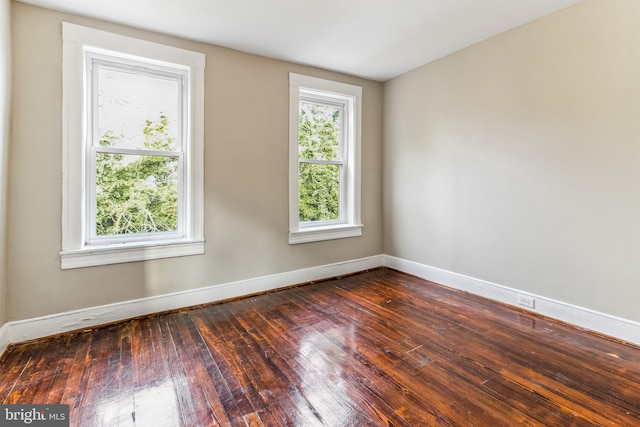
(335, 213)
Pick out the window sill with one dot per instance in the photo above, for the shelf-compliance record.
(121, 253)
(329, 232)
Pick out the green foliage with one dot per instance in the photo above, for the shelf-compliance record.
(319, 184)
(137, 194)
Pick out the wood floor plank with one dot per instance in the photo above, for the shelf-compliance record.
(547, 360)
(99, 399)
(393, 349)
(442, 368)
(73, 389)
(318, 386)
(358, 383)
(267, 383)
(379, 348)
(154, 393)
(178, 373)
(233, 384)
(27, 373)
(205, 400)
(76, 347)
(492, 346)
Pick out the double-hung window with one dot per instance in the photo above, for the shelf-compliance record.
(132, 149)
(324, 160)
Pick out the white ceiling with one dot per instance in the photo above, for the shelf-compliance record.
(377, 39)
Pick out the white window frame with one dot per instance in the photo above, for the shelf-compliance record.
(80, 245)
(349, 98)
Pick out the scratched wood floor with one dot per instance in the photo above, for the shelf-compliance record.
(377, 348)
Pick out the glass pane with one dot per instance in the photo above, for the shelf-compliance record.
(319, 131)
(136, 194)
(319, 187)
(137, 110)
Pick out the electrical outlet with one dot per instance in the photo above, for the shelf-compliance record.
(526, 301)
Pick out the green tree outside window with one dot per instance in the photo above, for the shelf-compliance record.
(137, 193)
(319, 184)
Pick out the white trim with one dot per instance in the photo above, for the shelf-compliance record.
(350, 97)
(105, 40)
(4, 338)
(119, 253)
(616, 327)
(329, 86)
(76, 252)
(29, 329)
(316, 234)
(24, 330)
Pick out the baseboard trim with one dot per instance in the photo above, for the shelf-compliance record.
(4, 338)
(615, 327)
(40, 327)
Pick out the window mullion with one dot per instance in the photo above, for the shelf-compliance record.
(92, 140)
(323, 162)
(343, 148)
(90, 199)
(136, 151)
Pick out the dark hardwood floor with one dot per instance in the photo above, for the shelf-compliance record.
(377, 348)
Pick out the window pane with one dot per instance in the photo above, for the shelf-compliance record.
(137, 110)
(319, 187)
(136, 194)
(319, 130)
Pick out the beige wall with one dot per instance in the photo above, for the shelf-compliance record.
(5, 85)
(246, 178)
(514, 161)
(517, 160)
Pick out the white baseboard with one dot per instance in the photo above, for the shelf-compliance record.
(616, 327)
(29, 329)
(4, 338)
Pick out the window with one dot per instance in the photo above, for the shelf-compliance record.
(132, 149)
(324, 160)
